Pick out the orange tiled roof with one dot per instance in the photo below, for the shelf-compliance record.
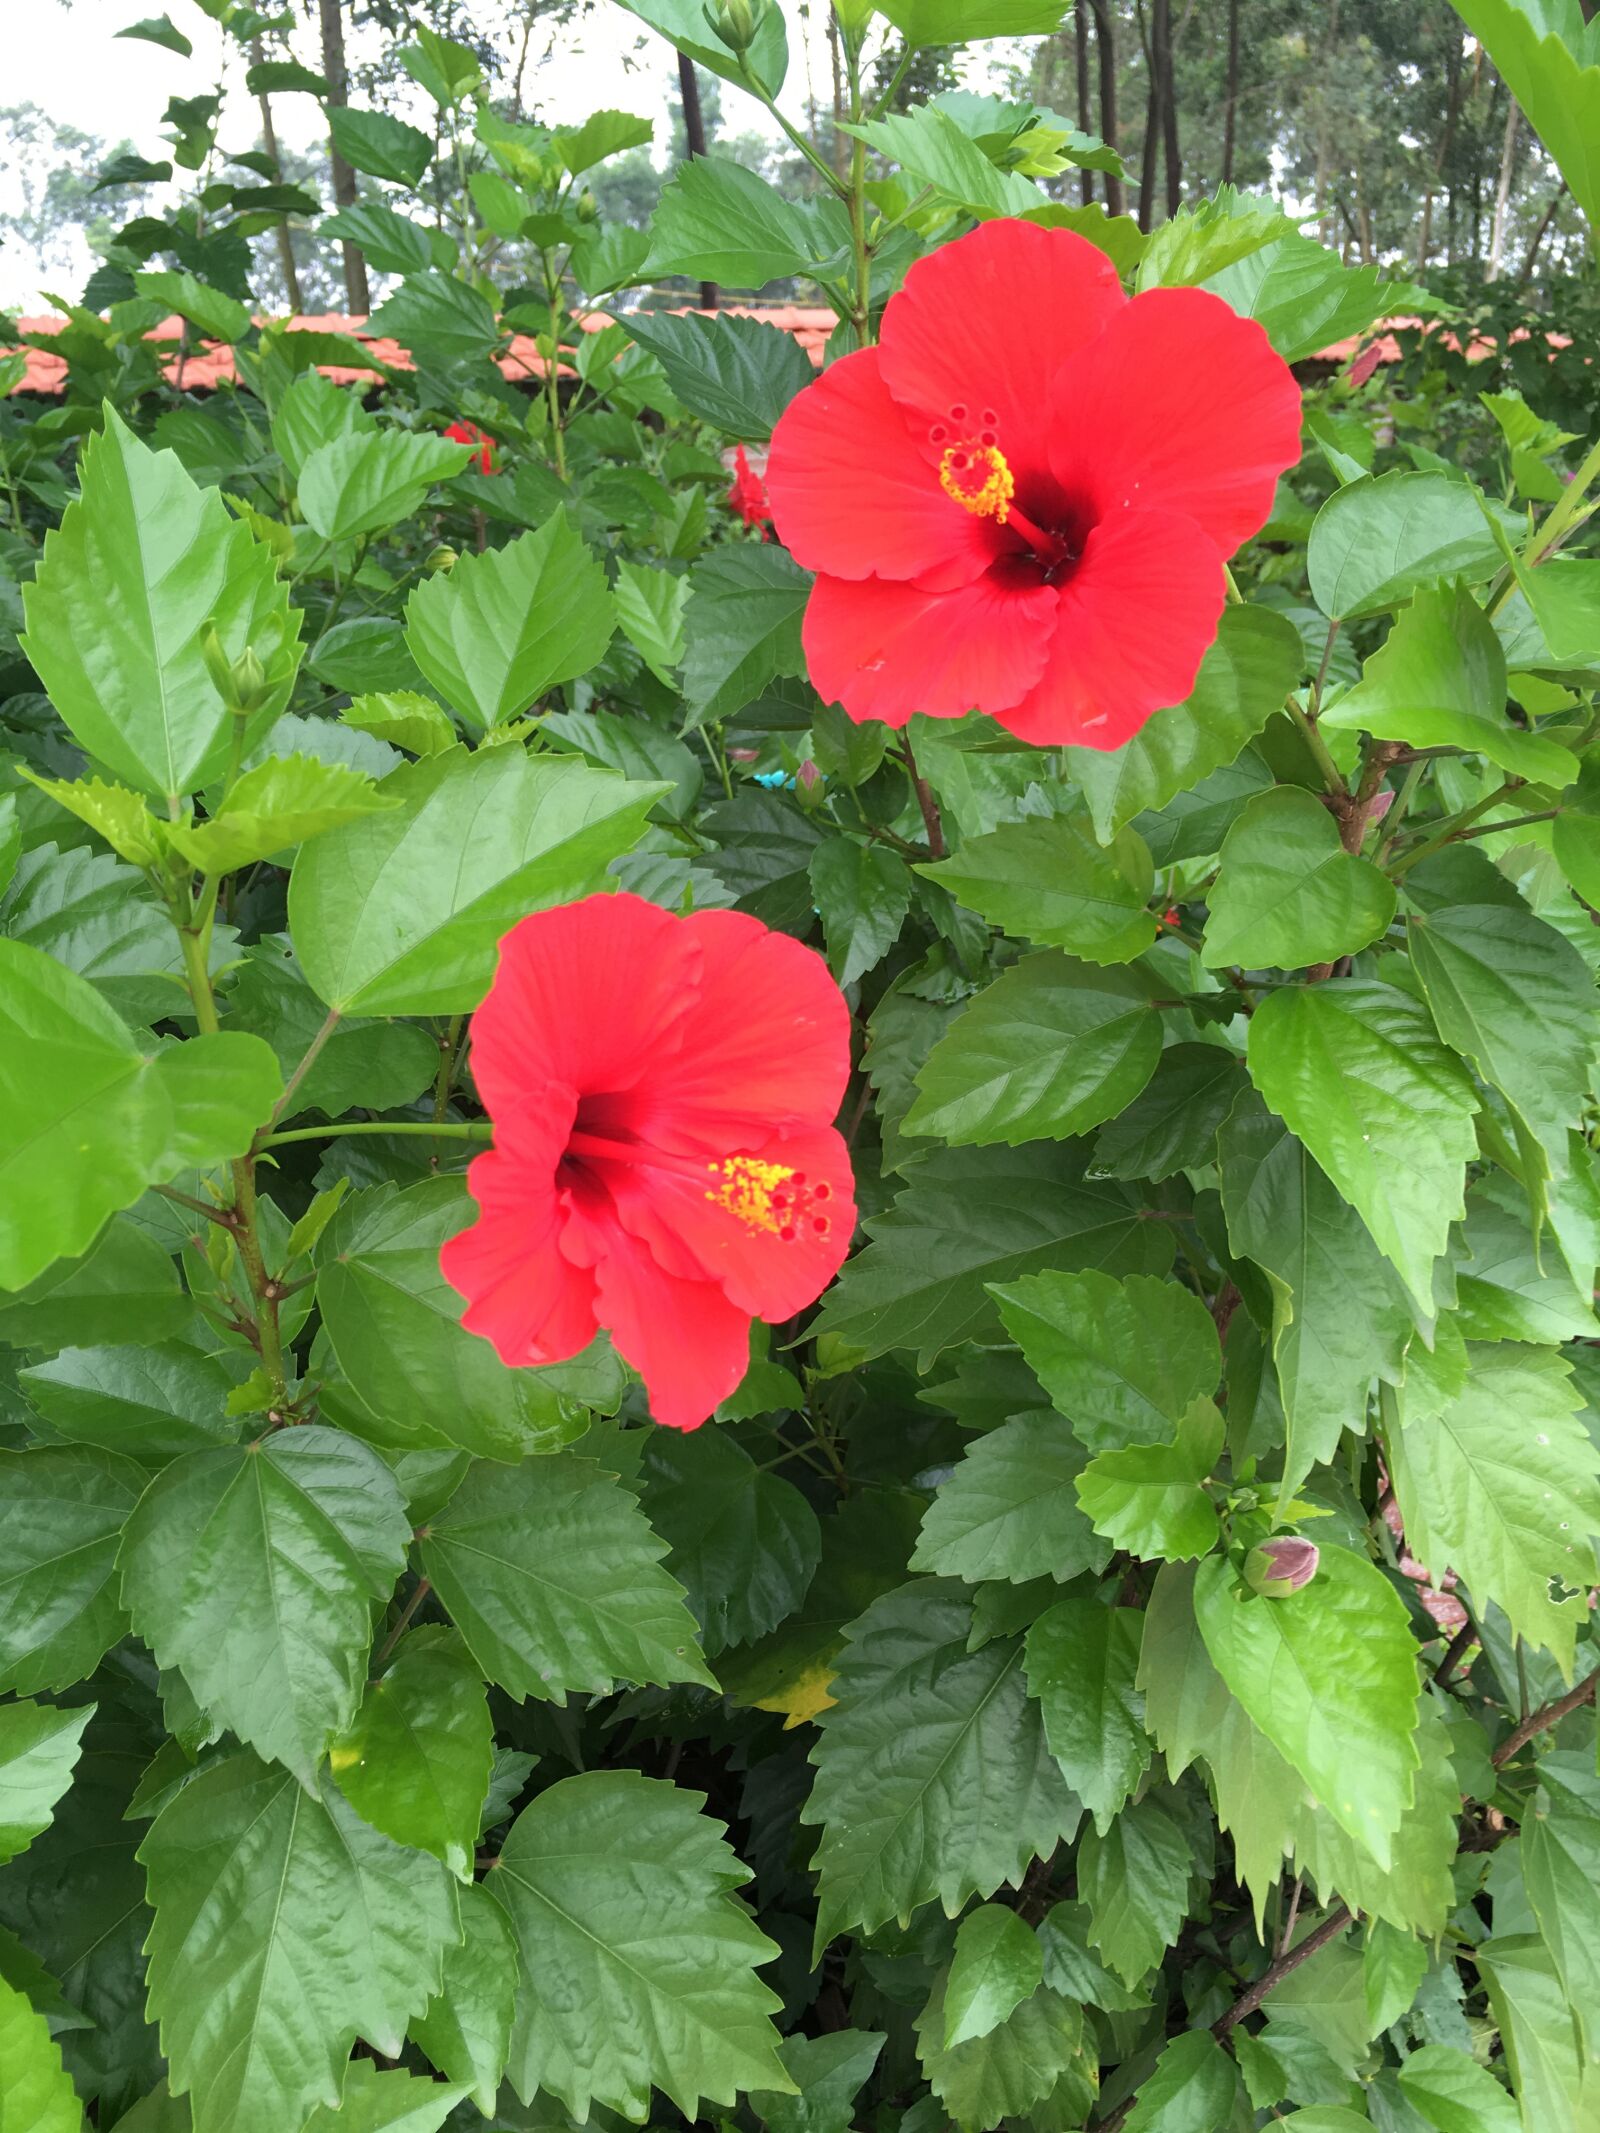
(210, 365)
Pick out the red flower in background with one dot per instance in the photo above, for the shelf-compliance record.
(462, 432)
(665, 1164)
(748, 495)
(1020, 501)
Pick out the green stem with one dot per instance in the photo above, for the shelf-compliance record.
(305, 1066)
(481, 1130)
(449, 1060)
(886, 101)
(862, 312)
(402, 1624)
(1402, 800)
(1558, 521)
(1332, 776)
(823, 168)
(1454, 826)
(552, 365)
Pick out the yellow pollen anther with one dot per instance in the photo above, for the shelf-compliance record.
(978, 478)
(768, 1196)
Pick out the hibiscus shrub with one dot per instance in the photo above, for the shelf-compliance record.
(517, 1604)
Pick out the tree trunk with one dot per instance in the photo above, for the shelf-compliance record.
(1080, 54)
(1325, 134)
(357, 294)
(1537, 239)
(694, 134)
(269, 141)
(1502, 191)
(1446, 142)
(1105, 42)
(1231, 97)
(1161, 38)
(1149, 158)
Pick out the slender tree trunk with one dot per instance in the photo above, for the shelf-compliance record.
(694, 134)
(1105, 44)
(1325, 131)
(1231, 98)
(1538, 237)
(356, 292)
(1446, 141)
(1149, 160)
(269, 141)
(1080, 55)
(1502, 191)
(841, 141)
(1161, 24)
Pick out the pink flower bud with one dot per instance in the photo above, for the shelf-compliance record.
(808, 777)
(1282, 1565)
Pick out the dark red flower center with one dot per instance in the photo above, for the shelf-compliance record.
(1049, 527)
(762, 1195)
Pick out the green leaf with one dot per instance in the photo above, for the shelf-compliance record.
(448, 71)
(1438, 680)
(1538, 2032)
(920, 1730)
(498, 630)
(742, 626)
(1503, 1487)
(602, 135)
(743, 1543)
(863, 894)
(1305, 298)
(1081, 1663)
(403, 913)
(282, 802)
(91, 915)
(1046, 879)
(650, 605)
(466, 2030)
(1122, 1360)
(1151, 1498)
(717, 221)
(1393, 1965)
(1135, 1880)
(386, 2102)
(1503, 1293)
(61, 1511)
(382, 146)
(162, 30)
(1193, 2089)
(1325, 2000)
(1548, 55)
(395, 1326)
(997, 2076)
(957, 21)
(828, 2071)
(638, 1963)
(142, 564)
(36, 2095)
(254, 1569)
(393, 243)
(934, 151)
(218, 316)
(553, 1575)
(279, 77)
(39, 1749)
(968, 1219)
(152, 1403)
(1329, 1675)
(1453, 2093)
(125, 1288)
(738, 373)
(1010, 1509)
(415, 1763)
(1376, 541)
(1289, 894)
(1172, 1124)
(996, 1966)
(1560, 1856)
(1256, 660)
(285, 1927)
(1507, 992)
(369, 479)
(404, 719)
(1052, 1048)
(123, 818)
(440, 319)
(1355, 1070)
(1339, 1312)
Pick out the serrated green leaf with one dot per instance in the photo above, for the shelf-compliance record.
(39, 1749)
(997, 1964)
(1010, 1509)
(390, 2101)
(402, 913)
(143, 562)
(1454, 2094)
(1046, 879)
(367, 480)
(1193, 2089)
(219, 317)
(742, 627)
(650, 606)
(1376, 541)
(1329, 1675)
(686, 25)
(501, 628)
(863, 895)
(933, 1777)
(62, 1509)
(985, 2079)
(151, 1403)
(1537, 2030)
(1289, 894)
(404, 718)
(415, 1762)
(125, 1288)
(743, 1543)
(466, 2030)
(1150, 1498)
(379, 1065)
(1172, 1124)
(717, 221)
(1081, 1662)
(285, 1927)
(441, 319)
(280, 803)
(1560, 1855)
(1135, 1879)
(935, 152)
(1304, 297)
(122, 817)
(828, 2071)
(1393, 1965)
(1356, 1071)
(738, 373)
(254, 1569)
(553, 1576)
(954, 21)
(36, 2095)
(638, 1964)
(382, 146)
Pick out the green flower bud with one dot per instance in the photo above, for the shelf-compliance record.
(443, 557)
(588, 207)
(242, 683)
(736, 22)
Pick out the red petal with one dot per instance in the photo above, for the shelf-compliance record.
(853, 495)
(523, 1294)
(1136, 618)
(1179, 405)
(686, 1340)
(587, 995)
(885, 651)
(987, 322)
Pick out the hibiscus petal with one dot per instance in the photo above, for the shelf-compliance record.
(852, 495)
(885, 651)
(1179, 405)
(686, 1340)
(986, 322)
(1136, 618)
(587, 995)
(524, 1295)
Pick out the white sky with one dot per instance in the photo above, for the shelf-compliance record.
(65, 56)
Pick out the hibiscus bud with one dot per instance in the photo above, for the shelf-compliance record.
(736, 22)
(444, 557)
(809, 779)
(1281, 1566)
(588, 207)
(241, 683)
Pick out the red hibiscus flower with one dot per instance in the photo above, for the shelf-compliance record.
(665, 1164)
(462, 432)
(748, 495)
(1020, 501)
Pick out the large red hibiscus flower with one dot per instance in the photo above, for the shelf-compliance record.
(665, 1163)
(1021, 500)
